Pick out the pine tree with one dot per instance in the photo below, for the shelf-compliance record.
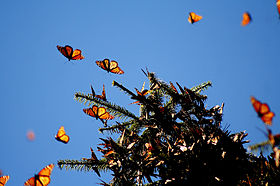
(174, 141)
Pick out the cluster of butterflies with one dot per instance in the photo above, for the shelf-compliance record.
(43, 177)
(266, 116)
(247, 18)
(110, 66)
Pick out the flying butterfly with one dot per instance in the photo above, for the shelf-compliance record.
(98, 113)
(246, 19)
(30, 135)
(263, 111)
(110, 66)
(3, 180)
(194, 17)
(61, 135)
(69, 53)
(42, 178)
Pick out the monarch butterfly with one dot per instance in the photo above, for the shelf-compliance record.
(42, 178)
(69, 53)
(110, 66)
(140, 95)
(246, 19)
(103, 96)
(3, 180)
(98, 113)
(263, 111)
(61, 135)
(193, 17)
(30, 135)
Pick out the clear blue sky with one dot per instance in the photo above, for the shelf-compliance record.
(38, 83)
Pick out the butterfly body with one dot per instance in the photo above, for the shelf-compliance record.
(61, 135)
(69, 53)
(110, 66)
(263, 111)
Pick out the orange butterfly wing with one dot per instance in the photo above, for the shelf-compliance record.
(103, 96)
(3, 180)
(263, 111)
(256, 104)
(61, 135)
(67, 51)
(104, 64)
(91, 111)
(102, 114)
(267, 118)
(193, 17)
(41, 179)
(246, 19)
(77, 55)
(114, 68)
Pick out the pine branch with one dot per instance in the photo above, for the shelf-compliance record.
(122, 88)
(114, 109)
(114, 128)
(202, 86)
(83, 165)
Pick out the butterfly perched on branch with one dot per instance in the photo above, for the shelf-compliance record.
(98, 113)
(61, 135)
(140, 94)
(42, 178)
(193, 17)
(263, 111)
(110, 66)
(246, 19)
(3, 180)
(103, 96)
(69, 53)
